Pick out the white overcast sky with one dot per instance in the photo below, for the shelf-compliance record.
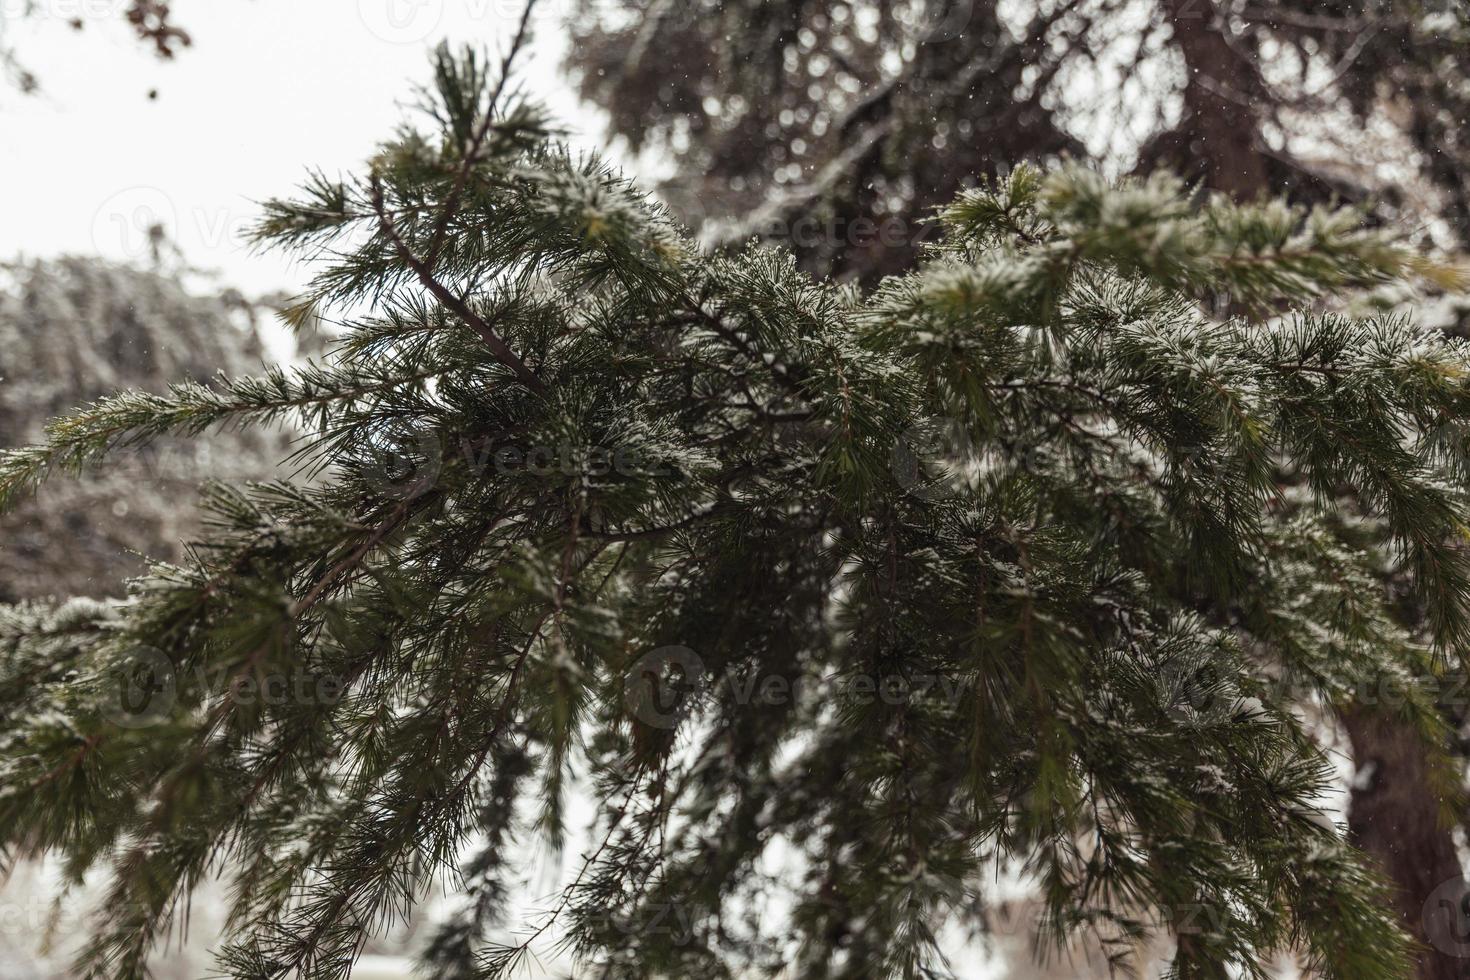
(268, 89)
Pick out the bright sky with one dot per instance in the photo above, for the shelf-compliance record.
(268, 89)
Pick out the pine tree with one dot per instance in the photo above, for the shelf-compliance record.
(1041, 556)
(822, 117)
(73, 330)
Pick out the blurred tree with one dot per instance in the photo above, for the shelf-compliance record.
(837, 122)
(72, 330)
(151, 20)
(838, 125)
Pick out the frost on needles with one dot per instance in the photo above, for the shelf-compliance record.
(1105, 491)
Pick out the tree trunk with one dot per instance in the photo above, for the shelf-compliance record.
(1395, 817)
(1218, 138)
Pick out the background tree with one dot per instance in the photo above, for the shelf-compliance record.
(823, 113)
(850, 117)
(71, 331)
(651, 481)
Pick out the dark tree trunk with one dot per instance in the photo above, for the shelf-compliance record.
(1218, 139)
(1395, 816)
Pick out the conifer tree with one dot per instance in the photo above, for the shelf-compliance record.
(856, 116)
(150, 20)
(73, 330)
(839, 600)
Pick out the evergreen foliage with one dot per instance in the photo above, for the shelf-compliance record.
(1040, 556)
